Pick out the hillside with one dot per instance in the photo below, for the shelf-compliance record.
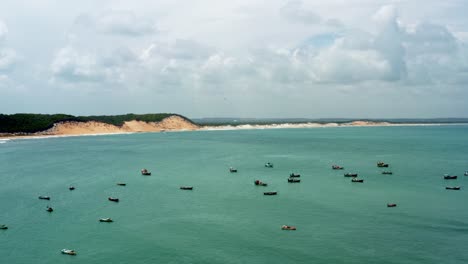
(59, 123)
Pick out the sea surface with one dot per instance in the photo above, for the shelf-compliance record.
(226, 219)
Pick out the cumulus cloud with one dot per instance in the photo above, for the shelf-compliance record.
(181, 49)
(389, 41)
(125, 23)
(3, 31)
(387, 55)
(8, 57)
(435, 55)
(294, 10)
(70, 65)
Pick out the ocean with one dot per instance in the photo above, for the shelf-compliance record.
(226, 218)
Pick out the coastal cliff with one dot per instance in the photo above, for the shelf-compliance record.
(93, 127)
(31, 125)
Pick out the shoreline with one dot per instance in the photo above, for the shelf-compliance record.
(49, 134)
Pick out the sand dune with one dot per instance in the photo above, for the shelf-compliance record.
(92, 127)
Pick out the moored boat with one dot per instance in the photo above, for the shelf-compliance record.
(145, 172)
(260, 183)
(107, 220)
(186, 188)
(49, 209)
(71, 188)
(453, 188)
(387, 172)
(286, 227)
(391, 205)
(231, 169)
(121, 184)
(68, 251)
(270, 193)
(382, 164)
(357, 180)
(350, 174)
(292, 180)
(466, 173)
(336, 167)
(294, 175)
(112, 199)
(450, 177)
(269, 165)
(44, 197)
(3, 227)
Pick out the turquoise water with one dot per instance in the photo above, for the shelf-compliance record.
(226, 219)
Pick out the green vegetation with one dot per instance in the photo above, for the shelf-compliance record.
(30, 123)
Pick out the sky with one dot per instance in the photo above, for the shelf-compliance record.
(243, 58)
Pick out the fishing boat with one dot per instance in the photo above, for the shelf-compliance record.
(68, 251)
(350, 174)
(112, 199)
(145, 172)
(286, 227)
(453, 188)
(3, 227)
(231, 169)
(121, 184)
(391, 205)
(186, 188)
(259, 183)
(466, 173)
(49, 209)
(292, 180)
(44, 197)
(450, 177)
(270, 193)
(336, 167)
(71, 188)
(294, 175)
(269, 165)
(382, 164)
(357, 180)
(107, 220)
(387, 172)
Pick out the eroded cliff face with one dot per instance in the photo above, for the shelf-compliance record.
(92, 127)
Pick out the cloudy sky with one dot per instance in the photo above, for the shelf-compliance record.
(244, 58)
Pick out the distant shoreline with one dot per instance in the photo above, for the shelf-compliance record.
(74, 129)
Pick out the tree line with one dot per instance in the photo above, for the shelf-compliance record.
(31, 123)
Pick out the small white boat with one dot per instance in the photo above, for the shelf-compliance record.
(68, 251)
(466, 173)
(108, 220)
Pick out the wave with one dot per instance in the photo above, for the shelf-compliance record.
(313, 125)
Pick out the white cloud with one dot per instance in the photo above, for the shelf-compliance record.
(247, 48)
(295, 11)
(70, 65)
(3, 31)
(123, 22)
(8, 58)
